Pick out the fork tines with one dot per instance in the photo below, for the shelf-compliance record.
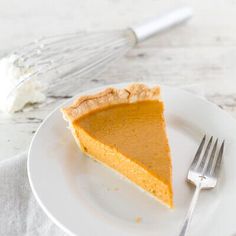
(208, 164)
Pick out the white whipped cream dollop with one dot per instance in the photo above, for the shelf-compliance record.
(11, 72)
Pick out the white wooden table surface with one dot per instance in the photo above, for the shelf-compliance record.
(202, 52)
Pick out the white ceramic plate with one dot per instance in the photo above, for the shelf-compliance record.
(85, 198)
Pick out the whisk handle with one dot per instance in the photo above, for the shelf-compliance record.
(161, 23)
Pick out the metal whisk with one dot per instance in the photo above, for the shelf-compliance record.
(67, 58)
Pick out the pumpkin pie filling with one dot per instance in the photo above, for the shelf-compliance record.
(126, 134)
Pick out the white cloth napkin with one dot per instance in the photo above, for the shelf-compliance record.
(20, 214)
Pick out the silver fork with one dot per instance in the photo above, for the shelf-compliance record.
(203, 173)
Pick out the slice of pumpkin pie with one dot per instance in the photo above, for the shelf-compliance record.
(125, 129)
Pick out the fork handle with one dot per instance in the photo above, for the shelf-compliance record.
(185, 227)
